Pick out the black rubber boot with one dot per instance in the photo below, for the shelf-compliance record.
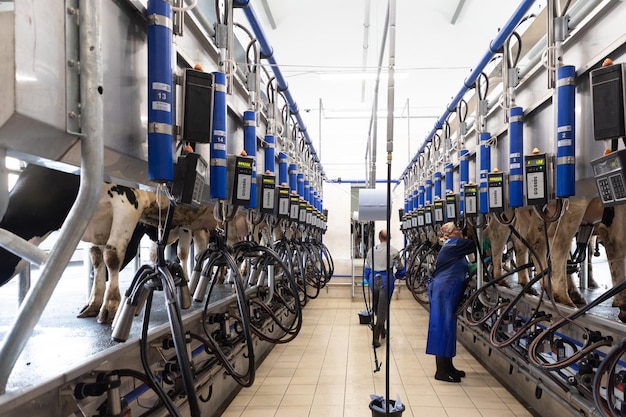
(444, 370)
(457, 372)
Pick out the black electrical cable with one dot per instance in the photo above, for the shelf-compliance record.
(512, 62)
(482, 94)
(462, 110)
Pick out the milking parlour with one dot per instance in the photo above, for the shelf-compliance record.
(192, 226)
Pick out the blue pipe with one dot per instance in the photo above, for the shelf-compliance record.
(293, 178)
(249, 145)
(160, 139)
(429, 192)
(218, 138)
(420, 196)
(463, 176)
(307, 191)
(300, 182)
(516, 152)
(437, 177)
(566, 131)
(449, 178)
(269, 154)
(282, 169)
(494, 47)
(268, 53)
(485, 167)
(415, 199)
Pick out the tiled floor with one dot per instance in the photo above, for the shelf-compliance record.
(327, 371)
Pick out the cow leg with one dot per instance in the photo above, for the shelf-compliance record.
(591, 282)
(99, 281)
(184, 241)
(612, 237)
(560, 236)
(498, 234)
(113, 259)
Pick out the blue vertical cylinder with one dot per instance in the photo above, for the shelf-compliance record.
(269, 154)
(218, 178)
(429, 192)
(516, 150)
(293, 178)
(249, 145)
(420, 196)
(300, 181)
(485, 167)
(307, 191)
(463, 176)
(160, 139)
(449, 178)
(282, 169)
(437, 181)
(565, 131)
(415, 199)
(406, 203)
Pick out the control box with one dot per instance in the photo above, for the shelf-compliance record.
(267, 197)
(283, 202)
(438, 211)
(496, 192)
(428, 215)
(452, 207)
(610, 179)
(294, 207)
(239, 179)
(470, 192)
(538, 172)
(608, 98)
(420, 217)
(190, 174)
(198, 104)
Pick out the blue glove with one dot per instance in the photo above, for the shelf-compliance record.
(367, 276)
(401, 273)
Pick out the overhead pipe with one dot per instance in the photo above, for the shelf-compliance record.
(494, 47)
(91, 175)
(267, 53)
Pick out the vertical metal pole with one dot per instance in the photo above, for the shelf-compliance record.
(92, 151)
(390, 119)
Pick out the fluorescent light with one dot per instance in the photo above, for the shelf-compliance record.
(359, 76)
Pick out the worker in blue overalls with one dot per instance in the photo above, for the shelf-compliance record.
(379, 284)
(444, 293)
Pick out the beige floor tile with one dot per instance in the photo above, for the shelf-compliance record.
(463, 411)
(265, 400)
(293, 411)
(298, 399)
(259, 412)
(295, 389)
(429, 411)
(489, 403)
(496, 413)
(454, 401)
(272, 389)
(233, 411)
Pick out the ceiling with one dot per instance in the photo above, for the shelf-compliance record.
(317, 42)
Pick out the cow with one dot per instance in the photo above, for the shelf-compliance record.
(560, 234)
(42, 198)
(611, 233)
